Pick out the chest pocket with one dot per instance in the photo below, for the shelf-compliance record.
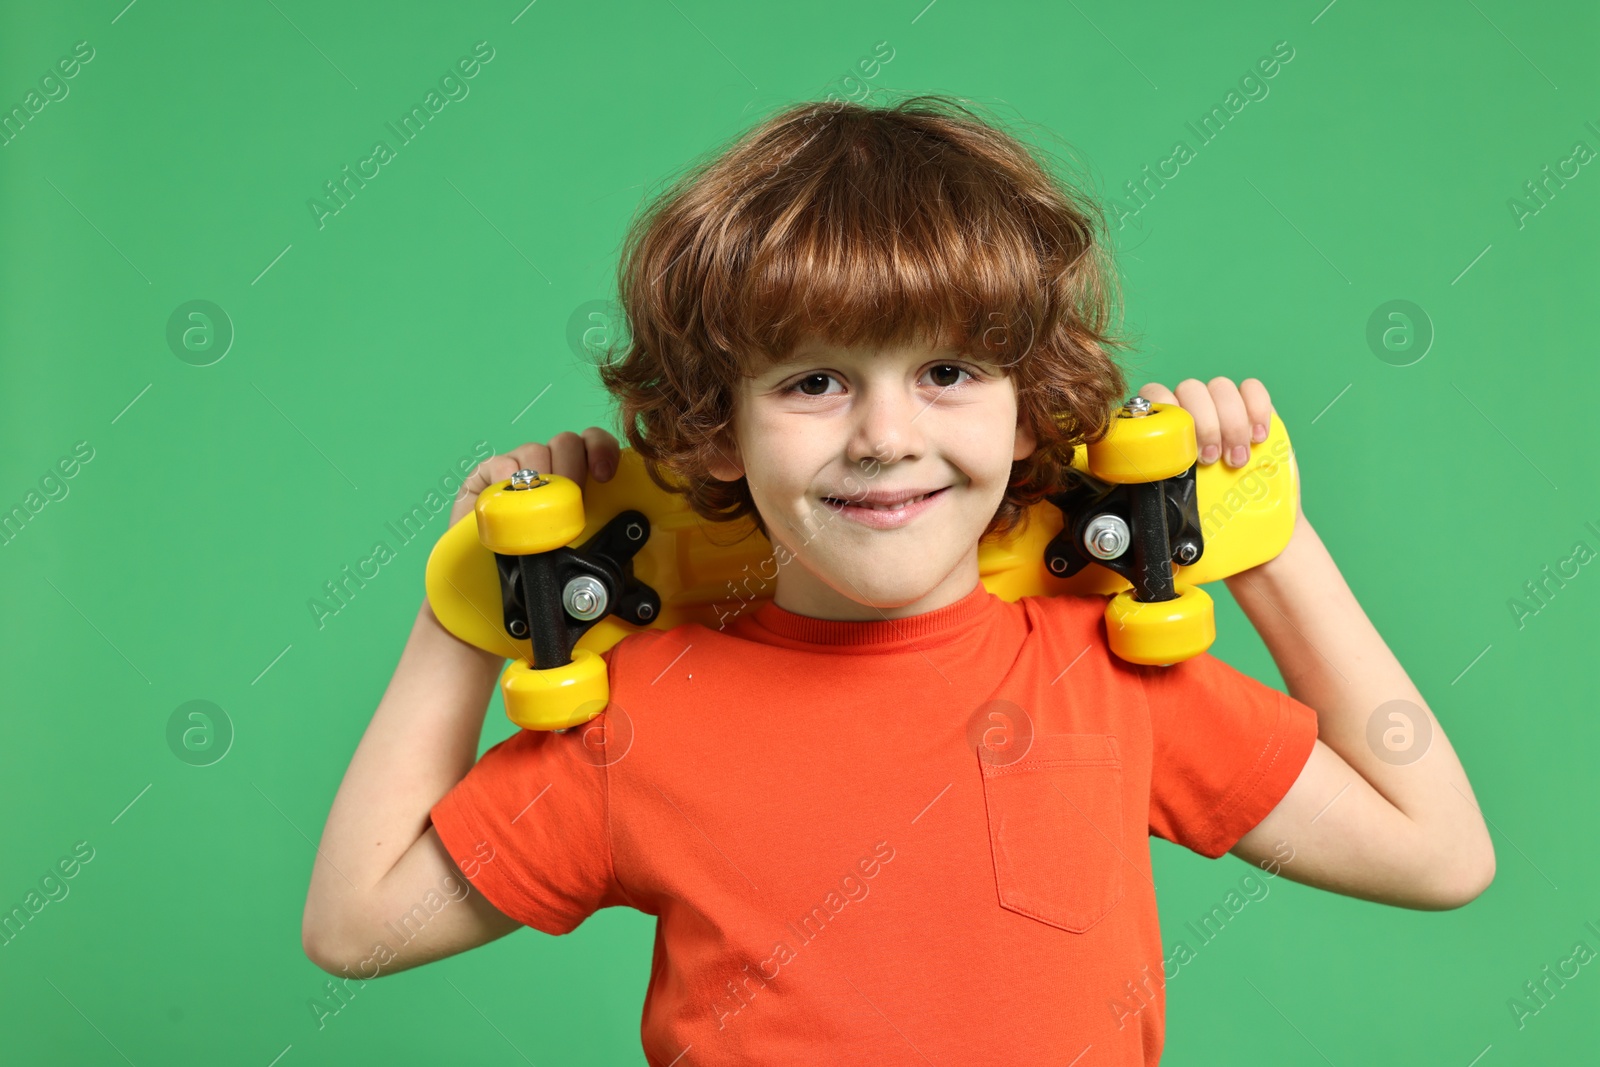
(1055, 829)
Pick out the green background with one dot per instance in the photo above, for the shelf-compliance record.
(372, 353)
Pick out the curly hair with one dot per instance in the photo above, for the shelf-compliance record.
(863, 225)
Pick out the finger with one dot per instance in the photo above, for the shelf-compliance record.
(1157, 393)
(569, 457)
(499, 468)
(604, 453)
(530, 455)
(491, 470)
(1232, 419)
(1258, 402)
(1197, 401)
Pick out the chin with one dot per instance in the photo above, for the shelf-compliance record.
(875, 589)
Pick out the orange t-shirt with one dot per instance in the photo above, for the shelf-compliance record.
(897, 841)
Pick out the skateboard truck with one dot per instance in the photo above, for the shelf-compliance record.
(1135, 512)
(552, 594)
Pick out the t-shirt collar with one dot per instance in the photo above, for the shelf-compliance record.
(771, 624)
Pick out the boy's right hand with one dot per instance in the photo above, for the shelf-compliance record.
(568, 454)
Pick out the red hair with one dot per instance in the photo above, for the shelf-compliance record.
(862, 225)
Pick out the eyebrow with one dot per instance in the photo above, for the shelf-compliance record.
(811, 355)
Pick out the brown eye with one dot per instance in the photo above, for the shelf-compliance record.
(949, 370)
(819, 380)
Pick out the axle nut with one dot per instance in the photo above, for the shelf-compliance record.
(1106, 537)
(584, 598)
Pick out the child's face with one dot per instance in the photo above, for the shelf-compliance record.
(831, 424)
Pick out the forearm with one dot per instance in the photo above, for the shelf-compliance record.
(1333, 659)
(422, 740)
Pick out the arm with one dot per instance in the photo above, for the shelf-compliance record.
(1398, 830)
(380, 857)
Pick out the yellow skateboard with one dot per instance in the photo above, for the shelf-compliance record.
(550, 577)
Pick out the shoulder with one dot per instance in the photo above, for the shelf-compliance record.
(657, 645)
(1071, 629)
(1063, 611)
(642, 643)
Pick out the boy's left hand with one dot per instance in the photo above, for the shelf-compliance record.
(1228, 418)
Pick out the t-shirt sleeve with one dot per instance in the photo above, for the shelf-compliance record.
(1225, 750)
(529, 826)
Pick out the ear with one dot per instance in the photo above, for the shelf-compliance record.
(725, 464)
(1026, 442)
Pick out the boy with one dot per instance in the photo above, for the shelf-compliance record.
(887, 817)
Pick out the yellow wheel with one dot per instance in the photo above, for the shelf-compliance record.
(1163, 632)
(1144, 448)
(544, 516)
(557, 698)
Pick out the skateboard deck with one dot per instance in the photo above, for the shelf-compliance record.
(712, 572)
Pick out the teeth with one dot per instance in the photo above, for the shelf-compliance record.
(879, 507)
(897, 507)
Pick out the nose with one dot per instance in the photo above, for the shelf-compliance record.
(886, 427)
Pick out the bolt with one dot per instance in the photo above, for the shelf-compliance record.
(1057, 564)
(1137, 407)
(527, 478)
(519, 628)
(584, 598)
(1187, 552)
(1106, 537)
(646, 611)
(634, 531)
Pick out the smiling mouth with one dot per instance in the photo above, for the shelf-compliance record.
(841, 502)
